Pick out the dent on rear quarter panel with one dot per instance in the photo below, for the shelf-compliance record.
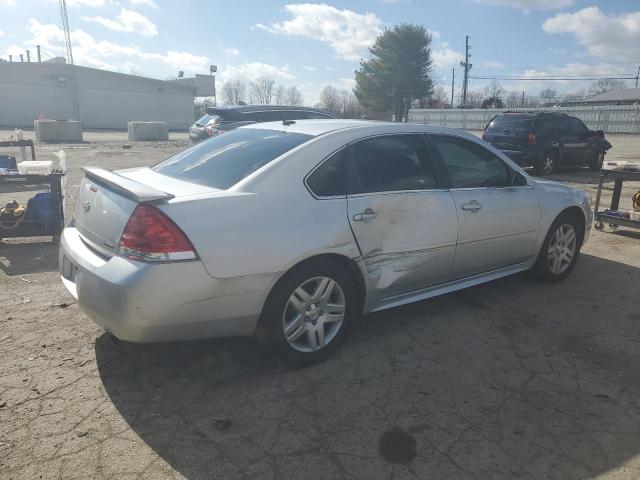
(239, 234)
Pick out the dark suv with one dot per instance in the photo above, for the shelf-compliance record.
(218, 120)
(545, 141)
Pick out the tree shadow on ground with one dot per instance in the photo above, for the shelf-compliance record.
(512, 379)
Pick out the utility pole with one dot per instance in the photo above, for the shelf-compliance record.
(21, 58)
(467, 66)
(28, 56)
(522, 104)
(64, 19)
(637, 76)
(453, 84)
(39, 55)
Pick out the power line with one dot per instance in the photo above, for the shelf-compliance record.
(590, 78)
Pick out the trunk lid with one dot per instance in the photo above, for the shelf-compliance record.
(106, 200)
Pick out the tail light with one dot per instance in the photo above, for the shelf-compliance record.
(151, 236)
(532, 138)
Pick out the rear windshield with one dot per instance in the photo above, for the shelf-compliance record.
(204, 120)
(512, 123)
(224, 160)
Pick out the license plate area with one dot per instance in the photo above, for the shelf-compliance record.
(69, 269)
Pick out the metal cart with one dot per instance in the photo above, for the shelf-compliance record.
(617, 176)
(32, 224)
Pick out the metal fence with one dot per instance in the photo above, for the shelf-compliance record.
(609, 118)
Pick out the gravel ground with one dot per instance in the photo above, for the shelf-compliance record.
(512, 379)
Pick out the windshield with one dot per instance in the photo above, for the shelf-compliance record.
(510, 123)
(223, 161)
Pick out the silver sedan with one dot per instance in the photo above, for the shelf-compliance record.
(290, 230)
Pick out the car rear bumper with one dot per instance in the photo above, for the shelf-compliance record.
(142, 302)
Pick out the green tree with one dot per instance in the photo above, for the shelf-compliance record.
(399, 69)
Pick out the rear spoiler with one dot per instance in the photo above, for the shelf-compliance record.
(126, 187)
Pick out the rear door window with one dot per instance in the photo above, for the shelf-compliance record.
(390, 163)
(224, 160)
(471, 165)
(576, 126)
(204, 120)
(267, 116)
(545, 127)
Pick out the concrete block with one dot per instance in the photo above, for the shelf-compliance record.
(68, 131)
(148, 131)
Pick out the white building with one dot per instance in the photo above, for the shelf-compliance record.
(98, 98)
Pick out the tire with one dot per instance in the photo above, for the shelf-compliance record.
(597, 161)
(315, 331)
(546, 164)
(547, 267)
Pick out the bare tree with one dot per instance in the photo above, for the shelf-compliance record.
(439, 97)
(261, 91)
(331, 100)
(574, 97)
(351, 107)
(279, 95)
(512, 100)
(494, 90)
(474, 99)
(605, 85)
(548, 95)
(293, 96)
(233, 92)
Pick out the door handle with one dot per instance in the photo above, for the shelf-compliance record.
(473, 206)
(368, 214)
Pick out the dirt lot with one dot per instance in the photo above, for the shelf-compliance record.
(513, 379)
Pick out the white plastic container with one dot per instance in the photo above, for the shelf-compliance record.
(35, 167)
(634, 215)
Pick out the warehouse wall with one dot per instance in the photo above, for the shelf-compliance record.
(98, 98)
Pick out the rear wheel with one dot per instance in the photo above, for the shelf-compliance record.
(597, 161)
(546, 164)
(560, 249)
(306, 315)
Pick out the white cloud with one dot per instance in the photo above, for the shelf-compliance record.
(309, 68)
(445, 57)
(253, 70)
(148, 3)
(2, 34)
(531, 5)
(87, 3)
(231, 51)
(127, 21)
(107, 55)
(604, 36)
(7, 2)
(348, 33)
(492, 64)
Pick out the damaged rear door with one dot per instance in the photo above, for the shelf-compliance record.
(403, 219)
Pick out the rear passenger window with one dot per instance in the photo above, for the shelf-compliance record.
(390, 163)
(295, 115)
(272, 116)
(316, 115)
(470, 165)
(330, 178)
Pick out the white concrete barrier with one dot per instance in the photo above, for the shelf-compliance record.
(69, 131)
(148, 131)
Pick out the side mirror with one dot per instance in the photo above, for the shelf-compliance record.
(599, 133)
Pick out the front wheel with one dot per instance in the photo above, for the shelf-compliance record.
(306, 315)
(546, 164)
(560, 249)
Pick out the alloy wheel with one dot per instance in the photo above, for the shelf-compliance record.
(314, 314)
(562, 249)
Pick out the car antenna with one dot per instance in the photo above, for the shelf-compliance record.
(286, 122)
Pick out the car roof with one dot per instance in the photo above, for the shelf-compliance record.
(367, 127)
(532, 114)
(262, 108)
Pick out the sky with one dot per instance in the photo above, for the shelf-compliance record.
(311, 45)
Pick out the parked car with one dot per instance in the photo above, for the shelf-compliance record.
(546, 141)
(218, 120)
(289, 231)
